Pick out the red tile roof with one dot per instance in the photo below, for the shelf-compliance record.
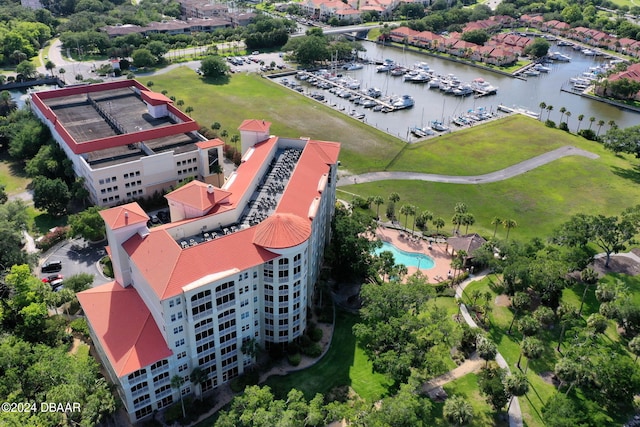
(124, 215)
(282, 231)
(255, 125)
(155, 98)
(210, 143)
(124, 326)
(168, 268)
(199, 195)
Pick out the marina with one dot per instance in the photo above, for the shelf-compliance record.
(434, 99)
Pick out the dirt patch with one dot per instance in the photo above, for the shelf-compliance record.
(617, 264)
(503, 301)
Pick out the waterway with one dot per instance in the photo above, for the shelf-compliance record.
(432, 104)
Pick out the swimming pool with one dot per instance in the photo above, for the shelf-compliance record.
(409, 259)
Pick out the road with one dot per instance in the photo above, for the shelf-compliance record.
(501, 175)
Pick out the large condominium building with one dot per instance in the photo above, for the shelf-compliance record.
(126, 141)
(236, 266)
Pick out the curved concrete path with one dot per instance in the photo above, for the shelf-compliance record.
(506, 173)
(514, 413)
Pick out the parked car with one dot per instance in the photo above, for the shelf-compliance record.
(51, 278)
(52, 267)
(56, 284)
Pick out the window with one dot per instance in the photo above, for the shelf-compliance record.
(283, 310)
(160, 364)
(283, 298)
(137, 374)
(180, 342)
(224, 299)
(171, 303)
(160, 377)
(181, 355)
(140, 386)
(227, 337)
(183, 367)
(283, 333)
(225, 325)
(186, 391)
(283, 322)
(165, 402)
(141, 413)
(178, 329)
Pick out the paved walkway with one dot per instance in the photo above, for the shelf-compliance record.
(501, 175)
(472, 364)
(515, 413)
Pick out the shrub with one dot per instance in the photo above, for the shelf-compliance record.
(80, 326)
(51, 238)
(294, 359)
(315, 334)
(305, 341)
(563, 126)
(107, 267)
(313, 350)
(447, 292)
(588, 134)
(550, 123)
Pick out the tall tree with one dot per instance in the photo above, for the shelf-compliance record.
(519, 302)
(457, 411)
(486, 349)
(516, 384)
(496, 221)
(589, 277)
(378, 200)
(508, 225)
(532, 348)
(176, 382)
(542, 106)
(580, 118)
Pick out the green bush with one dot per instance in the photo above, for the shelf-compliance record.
(107, 267)
(294, 359)
(51, 238)
(305, 341)
(313, 350)
(315, 334)
(80, 326)
(550, 124)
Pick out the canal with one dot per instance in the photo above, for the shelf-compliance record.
(432, 104)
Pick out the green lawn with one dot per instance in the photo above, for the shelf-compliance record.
(509, 345)
(249, 96)
(467, 386)
(12, 175)
(344, 364)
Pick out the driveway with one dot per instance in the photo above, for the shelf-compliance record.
(78, 256)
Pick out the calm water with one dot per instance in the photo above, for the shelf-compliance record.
(431, 104)
(409, 259)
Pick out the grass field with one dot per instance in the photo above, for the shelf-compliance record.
(344, 364)
(248, 96)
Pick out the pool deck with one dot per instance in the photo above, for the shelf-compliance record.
(441, 258)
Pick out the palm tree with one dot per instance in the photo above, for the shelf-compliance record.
(580, 118)
(542, 106)
(457, 220)
(509, 224)
(224, 134)
(50, 66)
(394, 197)
(438, 223)
(567, 115)
(7, 104)
(198, 377)
(413, 211)
(612, 124)
(519, 302)
(486, 349)
(189, 109)
(589, 277)
(61, 71)
(460, 208)
(457, 411)
(425, 217)
(496, 221)
(234, 139)
(176, 382)
(531, 348)
(516, 384)
(378, 200)
(591, 120)
(600, 124)
(468, 219)
(407, 210)
(215, 125)
(562, 111)
(549, 110)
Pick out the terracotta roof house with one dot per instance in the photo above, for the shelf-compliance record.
(237, 264)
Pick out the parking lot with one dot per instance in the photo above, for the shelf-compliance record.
(78, 256)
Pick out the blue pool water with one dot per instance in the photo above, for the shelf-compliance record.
(410, 259)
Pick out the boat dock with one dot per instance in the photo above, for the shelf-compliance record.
(353, 92)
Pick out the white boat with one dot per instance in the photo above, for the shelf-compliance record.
(374, 92)
(352, 66)
(531, 72)
(386, 66)
(541, 68)
(557, 56)
(418, 132)
(405, 102)
(353, 84)
(435, 83)
(398, 71)
(588, 52)
(439, 126)
(420, 77)
(369, 103)
(463, 90)
(482, 86)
